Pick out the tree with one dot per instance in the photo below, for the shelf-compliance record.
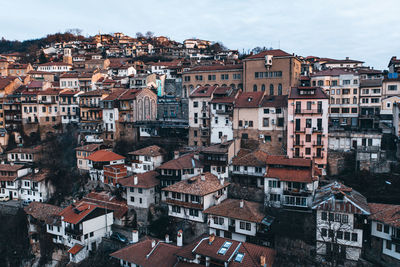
(149, 34)
(218, 47)
(139, 35)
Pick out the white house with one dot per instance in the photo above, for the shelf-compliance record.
(99, 159)
(24, 154)
(82, 153)
(189, 198)
(142, 189)
(340, 216)
(147, 159)
(10, 175)
(36, 186)
(55, 67)
(385, 232)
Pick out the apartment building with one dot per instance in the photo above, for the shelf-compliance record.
(342, 87)
(248, 168)
(54, 67)
(69, 106)
(147, 159)
(214, 75)
(10, 175)
(272, 71)
(217, 158)
(307, 133)
(91, 115)
(370, 102)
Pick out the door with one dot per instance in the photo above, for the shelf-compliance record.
(11, 195)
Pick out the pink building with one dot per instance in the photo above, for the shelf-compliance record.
(308, 124)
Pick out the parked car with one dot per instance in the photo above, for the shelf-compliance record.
(26, 202)
(119, 237)
(4, 198)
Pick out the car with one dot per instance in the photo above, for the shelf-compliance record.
(26, 202)
(119, 237)
(4, 198)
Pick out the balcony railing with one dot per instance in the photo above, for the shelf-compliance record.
(297, 192)
(298, 143)
(318, 156)
(73, 231)
(316, 143)
(308, 111)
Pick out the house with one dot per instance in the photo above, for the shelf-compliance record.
(18, 69)
(113, 173)
(330, 63)
(69, 106)
(109, 106)
(100, 158)
(290, 183)
(240, 220)
(91, 115)
(189, 198)
(248, 168)
(340, 228)
(147, 159)
(25, 155)
(385, 233)
(142, 189)
(218, 157)
(83, 225)
(9, 179)
(307, 134)
(180, 168)
(36, 186)
(54, 67)
(82, 153)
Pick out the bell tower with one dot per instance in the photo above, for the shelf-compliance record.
(67, 58)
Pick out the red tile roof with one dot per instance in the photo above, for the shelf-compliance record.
(142, 254)
(256, 158)
(273, 52)
(249, 99)
(203, 91)
(37, 177)
(230, 208)
(197, 186)
(385, 213)
(291, 175)
(145, 180)
(43, 212)
(332, 72)
(283, 160)
(75, 249)
(104, 155)
(318, 93)
(183, 162)
(107, 201)
(278, 101)
(89, 147)
(151, 151)
(75, 214)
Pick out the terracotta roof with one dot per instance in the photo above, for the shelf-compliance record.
(197, 186)
(54, 64)
(115, 95)
(77, 212)
(142, 254)
(107, 201)
(104, 155)
(230, 208)
(283, 160)
(49, 92)
(218, 148)
(338, 197)
(28, 150)
(278, 101)
(256, 158)
(145, 180)
(183, 162)
(385, 213)
(94, 93)
(339, 61)
(37, 177)
(333, 72)
(203, 91)
(5, 81)
(11, 167)
(273, 52)
(217, 68)
(129, 94)
(151, 151)
(291, 175)
(318, 93)
(89, 147)
(43, 212)
(75, 249)
(67, 92)
(249, 99)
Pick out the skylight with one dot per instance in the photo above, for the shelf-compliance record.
(239, 257)
(224, 247)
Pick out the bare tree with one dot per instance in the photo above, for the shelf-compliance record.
(149, 34)
(139, 35)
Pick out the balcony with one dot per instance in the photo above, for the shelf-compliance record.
(308, 111)
(250, 173)
(185, 204)
(318, 156)
(297, 192)
(298, 155)
(73, 231)
(316, 143)
(298, 143)
(223, 112)
(317, 129)
(231, 228)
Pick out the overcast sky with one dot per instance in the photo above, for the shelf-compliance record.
(361, 29)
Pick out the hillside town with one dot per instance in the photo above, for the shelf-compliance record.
(145, 151)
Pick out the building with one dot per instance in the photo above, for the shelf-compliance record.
(340, 215)
(54, 67)
(385, 233)
(91, 115)
(290, 183)
(248, 168)
(180, 168)
(147, 159)
(82, 153)
(99, 159)
(330, 63)
(142, 189)
(25, 155)
(239, 220)
(217, 158)
(214, 75)
(308, 124)
(36, 186)
(10, 183)
(69, 106)
(189, 198)
(272, 71)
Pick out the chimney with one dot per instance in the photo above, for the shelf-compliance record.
(166, 238)
(203, 177)
(263, 261)
(135, 180)
(241, 203)
(347, 58)
(179, 238)
(36, 170)
(135, 236)
(196, 156)
(211, 239)
(176, 154)
(153, 243)
(12, 163)
(221, 180)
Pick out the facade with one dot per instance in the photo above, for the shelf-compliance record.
(99, 159)
(25, 155)
(36, 187)
(308, 124)
(340, 215)
(10, 179)
(82, 153)
(217, 158)
(248, 168)
(189, 198)
(147, 159)
(272, 71)
(54, 67)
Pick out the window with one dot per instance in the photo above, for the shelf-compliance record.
(267, 138)
(265, 122)
(339, 234)
(271, 89)
(224, 76)
(308, 137)
(392, 87)
(386, 229)
(132, 199)
(195, 104)
(240, 123)
(266, 110)
(324, 216)
(345, 218)
(274, 184)
(331, 216)
(224, 248)
(346, 82)
(347, 236)
(263, 87)
(250, 123)
(245, 226)
(255, 88)
(308, 151)
(140, 190)
(354, 237)
(274, 197)
(388, 245)
(320, 83)
(176, 209)
(338, 217)
(324, 232)
(379, 227)
(239, 257)
(211, 77)
(91, 234)
(308, 123)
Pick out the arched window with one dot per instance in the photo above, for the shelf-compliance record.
(271, 89)
(255, 88)
(280, 89)
(263, 87)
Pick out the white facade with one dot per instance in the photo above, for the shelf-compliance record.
(346, 141)
(385, 233)
(141, 197)
(221, 122)
(146, 163)
(98, 175)
(35, 191)
(54, 67)
(240, 228)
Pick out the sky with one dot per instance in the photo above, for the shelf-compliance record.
(365, 30)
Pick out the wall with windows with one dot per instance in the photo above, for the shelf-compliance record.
(140, 197)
